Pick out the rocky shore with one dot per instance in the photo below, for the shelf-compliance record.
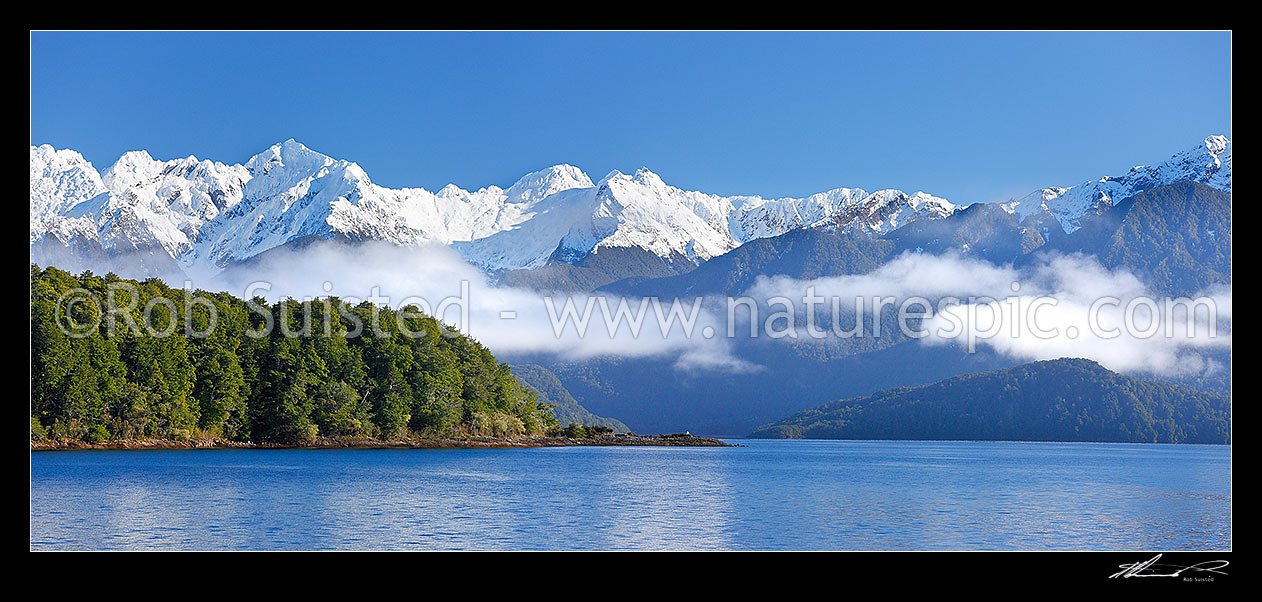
(616, 439)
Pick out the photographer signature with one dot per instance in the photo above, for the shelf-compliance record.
(1151, 568)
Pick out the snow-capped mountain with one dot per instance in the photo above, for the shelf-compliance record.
(205, 216)
(641, 211)
(291, 192)
(60, 179)
(1208, 163)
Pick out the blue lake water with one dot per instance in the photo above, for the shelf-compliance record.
(845, 495)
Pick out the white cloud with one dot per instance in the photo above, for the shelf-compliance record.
(507, 320)
(1073, 283)
(517, 321)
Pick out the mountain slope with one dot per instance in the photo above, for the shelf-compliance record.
(982, 230)
(1176, 238)
(599, 268)
(1208, 163)
(798, 253)
(550, 391)
(1058, 400)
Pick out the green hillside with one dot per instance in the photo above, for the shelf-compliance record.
(1058, 400)
(408, 376)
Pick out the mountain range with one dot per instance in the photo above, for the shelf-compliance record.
(549, 229)
(634, 235)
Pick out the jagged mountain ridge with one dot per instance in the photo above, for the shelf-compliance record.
(1175, 238)
(1208, 163)
(204, 216)
(208, 215)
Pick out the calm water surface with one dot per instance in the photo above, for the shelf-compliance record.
(849, 495)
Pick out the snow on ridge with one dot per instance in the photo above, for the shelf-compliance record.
(60, 179)
(208, 215)
(1208, 163)
(537, 185)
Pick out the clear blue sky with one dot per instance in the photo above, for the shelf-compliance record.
(968, 116)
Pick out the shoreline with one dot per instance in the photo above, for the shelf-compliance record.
(616, 440)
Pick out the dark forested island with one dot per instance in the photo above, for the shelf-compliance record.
(1058, 400)
(309, 381)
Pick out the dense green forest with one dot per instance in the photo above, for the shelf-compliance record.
(291, 385)
(1058, 400)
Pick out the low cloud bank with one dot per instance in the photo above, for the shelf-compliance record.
(507, 320)
(1062, 306)
(996, 306)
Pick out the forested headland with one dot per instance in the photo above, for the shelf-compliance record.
(324, 369)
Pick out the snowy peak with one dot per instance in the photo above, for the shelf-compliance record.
(132, 166)
(60, 179)
(887, 210)
(1216, 145)
(649, 214)
(536, 186)
(641, 210)
(647, 178)
(1207, 163)
(137, 203)
(612, 175)
(617, 211)
(641, 177)
(290, 166)
(289, 155)
(185, 185)
(206, 215)
(165, 203)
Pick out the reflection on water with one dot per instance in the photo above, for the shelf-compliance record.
(770, 495)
